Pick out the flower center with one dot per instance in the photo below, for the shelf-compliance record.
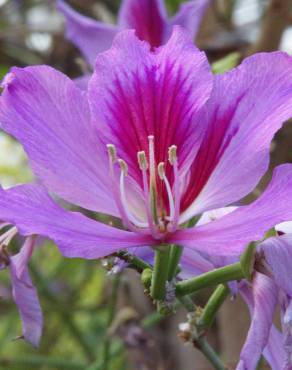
(158, 221)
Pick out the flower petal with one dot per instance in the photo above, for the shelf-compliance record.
(248, 105)
(89, 35)
(229, 235)
(277, 252)
(190, 15)
(25, 294)
(262, 303)
(274, 351)
(33, 212)
(49, 115)
(193, 263)
(146, 17)
(152, 94)
(82, 81)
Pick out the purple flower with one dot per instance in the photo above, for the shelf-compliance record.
(263, 337)
(271, 287)
(155, 141)
(147, 17)
(23, 291)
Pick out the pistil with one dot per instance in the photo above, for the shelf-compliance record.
(153, 187)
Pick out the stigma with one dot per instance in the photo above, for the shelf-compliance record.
(162, 215)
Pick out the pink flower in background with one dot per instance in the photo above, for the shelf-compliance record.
(148, 17)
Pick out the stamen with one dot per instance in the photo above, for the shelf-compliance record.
(130, 216)
(161, 172)
(143, 164)
(112, 153)
(142, 160)
(172, 154)
(172, 157)
(124, 166)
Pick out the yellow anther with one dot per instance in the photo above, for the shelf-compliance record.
(112, 152)
(123, 166)
(142, 160)
(161, 170)
(172, 154)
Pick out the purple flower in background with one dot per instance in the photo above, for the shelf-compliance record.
(155, 141)
(23, 292)
(148, 17)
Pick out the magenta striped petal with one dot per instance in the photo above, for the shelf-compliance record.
(146, 17)
(229, 235)
(247, 106)
(156, 94)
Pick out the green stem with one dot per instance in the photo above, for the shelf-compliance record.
(38, 361)
(174, 258)
(212, 306)
(111, 315)
(188, 303)
(200, 342)
(214, 277)
(133, 261)
(160, 272)
(203, 345)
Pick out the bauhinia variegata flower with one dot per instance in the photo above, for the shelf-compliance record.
(155, 140)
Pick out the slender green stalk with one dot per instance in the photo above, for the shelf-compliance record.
(188, 303)
(174, 258)
(200, 342)
(133, 261)
(111, 315)
(160, 272)
(203, 345)
(214, 277)
(37, 361)
(214, 303)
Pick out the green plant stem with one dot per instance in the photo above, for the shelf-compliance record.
(174, 258)
(133, 261)
(200, 342)
(37, 361)
(188, 303)
(214, 277)
(203, 345)
(111, 315)
(214, 303)
(160, 272)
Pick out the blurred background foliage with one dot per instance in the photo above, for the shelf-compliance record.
(88, 315)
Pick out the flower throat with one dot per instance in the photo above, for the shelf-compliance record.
(159, 221)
